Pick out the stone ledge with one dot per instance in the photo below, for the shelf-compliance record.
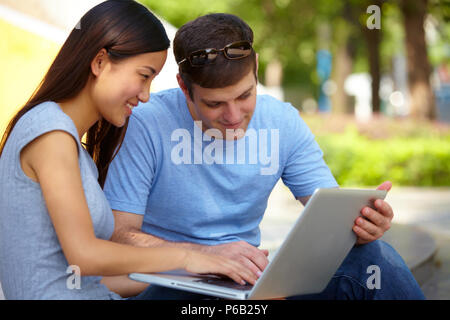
(417, 247)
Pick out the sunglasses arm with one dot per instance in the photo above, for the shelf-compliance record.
(182, 61)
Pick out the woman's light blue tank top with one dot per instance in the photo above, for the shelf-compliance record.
(32, 263)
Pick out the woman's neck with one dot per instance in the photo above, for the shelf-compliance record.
(82, 112)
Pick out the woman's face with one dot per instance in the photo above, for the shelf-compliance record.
(119, 87)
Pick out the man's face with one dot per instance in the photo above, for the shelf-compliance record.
(228, 109)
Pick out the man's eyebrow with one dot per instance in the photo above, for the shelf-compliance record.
(209, 102)
(242, 94)
(247, 91)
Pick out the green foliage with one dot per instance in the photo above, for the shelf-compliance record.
(291, 30)
(356, 160)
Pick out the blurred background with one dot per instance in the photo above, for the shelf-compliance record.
(370, 77)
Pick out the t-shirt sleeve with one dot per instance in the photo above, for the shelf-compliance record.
(131, 173)
(305, 169)
(40, 121)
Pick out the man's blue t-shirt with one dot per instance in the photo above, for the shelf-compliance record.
(192, 186)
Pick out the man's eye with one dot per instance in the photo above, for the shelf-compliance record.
(245, 96)
(146, 76)
(213, 105)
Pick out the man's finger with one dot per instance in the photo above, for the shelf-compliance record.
(249, 264)
(387, 185)
(369, 227)
(257, 257)
(245, 273)
(376, 218)
(384, 208)
(363, 235)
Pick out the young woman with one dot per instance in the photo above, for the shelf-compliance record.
(54, 218)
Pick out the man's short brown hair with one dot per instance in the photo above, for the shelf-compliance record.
(213, 31)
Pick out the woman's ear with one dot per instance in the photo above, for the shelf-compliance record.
(99, 62)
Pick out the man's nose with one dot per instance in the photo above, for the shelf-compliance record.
(232, 114)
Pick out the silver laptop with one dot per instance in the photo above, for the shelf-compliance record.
(310, 255)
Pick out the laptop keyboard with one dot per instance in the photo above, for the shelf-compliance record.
(226, 283)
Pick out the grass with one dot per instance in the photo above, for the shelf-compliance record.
(405, 151)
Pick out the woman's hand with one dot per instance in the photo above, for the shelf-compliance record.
(197, 262)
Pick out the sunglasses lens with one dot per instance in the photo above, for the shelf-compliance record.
(238, 50)
(202, 58)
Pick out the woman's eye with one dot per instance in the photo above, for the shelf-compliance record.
(145, 76)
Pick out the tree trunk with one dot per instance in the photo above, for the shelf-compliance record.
(344, 59)
(419, 69)
(373, 44)
(373, 40)
(343, 67)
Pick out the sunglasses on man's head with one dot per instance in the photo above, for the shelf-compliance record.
(232, 51)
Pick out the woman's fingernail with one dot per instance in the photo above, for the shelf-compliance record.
(259, 273)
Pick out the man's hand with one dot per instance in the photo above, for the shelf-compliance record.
(202, 263)
(376, 222)
(249, 256)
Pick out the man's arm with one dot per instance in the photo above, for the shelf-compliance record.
(127, 230)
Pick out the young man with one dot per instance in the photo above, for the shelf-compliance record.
(198, 164)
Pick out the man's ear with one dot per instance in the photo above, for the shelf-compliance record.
(257, 63)
(99, 62)
(184, 88)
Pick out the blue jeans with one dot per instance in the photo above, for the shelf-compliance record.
(353, 279)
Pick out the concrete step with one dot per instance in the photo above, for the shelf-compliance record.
(416, 246)
(437, 287)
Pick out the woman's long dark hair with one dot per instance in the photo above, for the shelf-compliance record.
(124, 28)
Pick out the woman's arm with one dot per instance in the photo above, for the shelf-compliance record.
(53, 158)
